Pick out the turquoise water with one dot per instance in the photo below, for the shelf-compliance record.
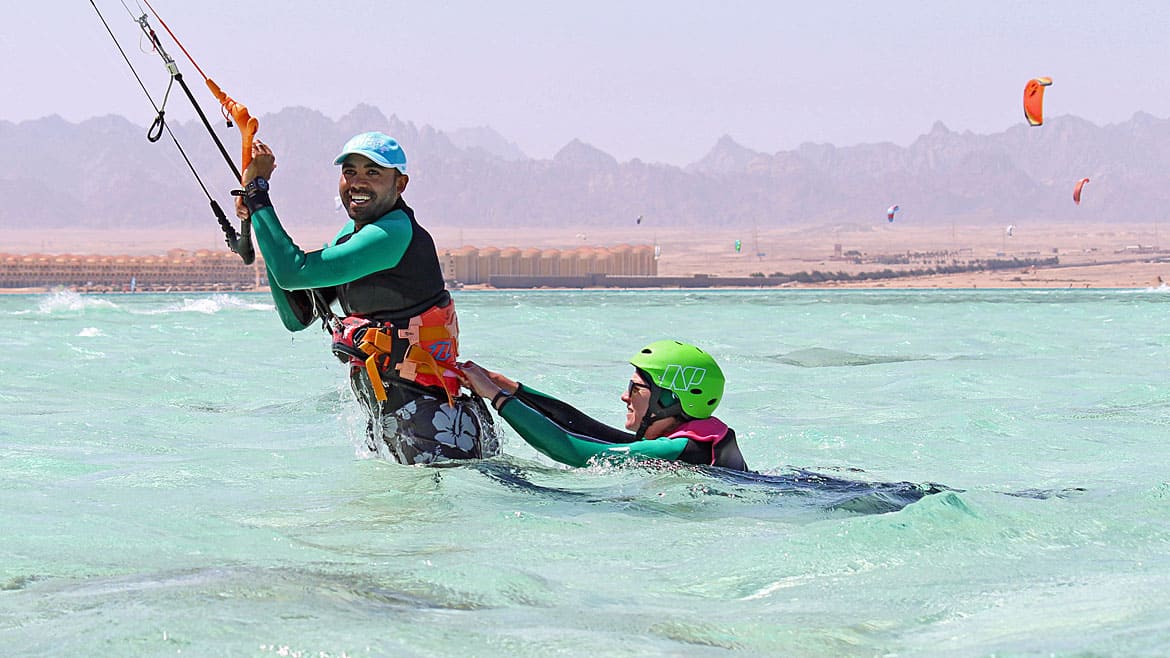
(181, 476)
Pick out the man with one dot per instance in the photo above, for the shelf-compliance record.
(670, 399)
(398, 329)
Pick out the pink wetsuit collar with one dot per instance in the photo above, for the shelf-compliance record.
(707, 430)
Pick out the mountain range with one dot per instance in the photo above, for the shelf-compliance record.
(103, 173)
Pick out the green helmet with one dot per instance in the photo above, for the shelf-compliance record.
(686, 371)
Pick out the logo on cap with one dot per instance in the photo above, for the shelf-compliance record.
(383, 149)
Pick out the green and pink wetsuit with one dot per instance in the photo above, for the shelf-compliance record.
(567, 435)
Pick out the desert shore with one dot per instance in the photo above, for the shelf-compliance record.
(1090, 256)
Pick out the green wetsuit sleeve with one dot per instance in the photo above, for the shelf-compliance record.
(294, 307)
(555, 441)
(375, 247)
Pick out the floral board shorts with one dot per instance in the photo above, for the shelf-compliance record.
(417, 425)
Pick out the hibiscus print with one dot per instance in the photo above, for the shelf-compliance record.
(453, 427)
(407, 410)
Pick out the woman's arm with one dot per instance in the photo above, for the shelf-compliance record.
(572, 448)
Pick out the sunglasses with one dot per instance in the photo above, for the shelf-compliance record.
(635, 385)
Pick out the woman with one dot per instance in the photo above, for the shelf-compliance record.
(670, 399)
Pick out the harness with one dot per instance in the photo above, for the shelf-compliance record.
(422, 349)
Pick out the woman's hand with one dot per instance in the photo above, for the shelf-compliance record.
(486, 383)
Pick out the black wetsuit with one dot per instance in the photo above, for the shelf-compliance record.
(386, 272)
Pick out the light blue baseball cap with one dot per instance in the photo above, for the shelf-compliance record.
(379, 147)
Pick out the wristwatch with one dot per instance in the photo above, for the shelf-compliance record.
(500, 399)
(255, 194)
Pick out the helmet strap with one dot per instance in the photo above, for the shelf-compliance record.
(655, 409)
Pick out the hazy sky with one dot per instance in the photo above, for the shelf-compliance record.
(658, 80)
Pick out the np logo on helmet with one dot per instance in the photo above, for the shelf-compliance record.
(682, 378)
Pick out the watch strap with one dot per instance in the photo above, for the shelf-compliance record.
(255, 194)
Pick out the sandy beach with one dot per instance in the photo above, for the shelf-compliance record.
(1090, 256)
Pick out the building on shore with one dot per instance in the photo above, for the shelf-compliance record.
(179, 269)
(222, 270)
(469, 265)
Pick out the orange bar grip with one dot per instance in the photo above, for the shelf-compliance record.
(247, 124)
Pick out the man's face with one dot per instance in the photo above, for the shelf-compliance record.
(367, 190)
(637, 399)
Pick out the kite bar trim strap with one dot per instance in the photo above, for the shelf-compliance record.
(244, 121)
(229, 107)
(233, 239)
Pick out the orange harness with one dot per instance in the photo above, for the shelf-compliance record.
(429, 359)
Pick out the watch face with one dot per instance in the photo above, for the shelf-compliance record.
(261, 184)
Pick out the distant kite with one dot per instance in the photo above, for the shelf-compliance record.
(1010, 228)
(1077, 190)
(1034, 100)
(890, 213)
(639, 220)
(738, 246)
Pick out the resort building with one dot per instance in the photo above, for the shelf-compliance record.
(222, 270)
(469, 265)
(177, 270)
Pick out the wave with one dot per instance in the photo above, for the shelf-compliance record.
(665, 487)
(61, 302)
(1161, 288)
(209, 305)
(68, 301)
(819, 357)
